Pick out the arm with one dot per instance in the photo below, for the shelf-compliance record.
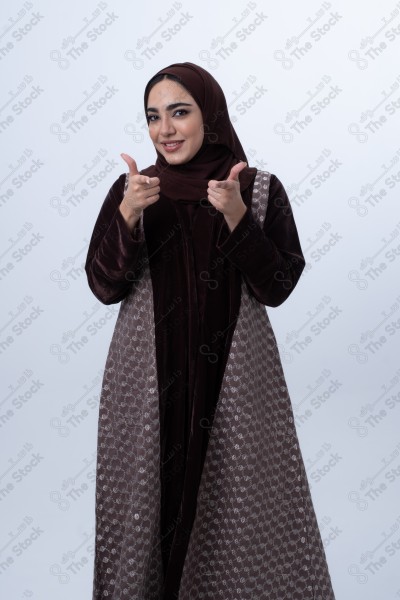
(114, 249)
(270, 257)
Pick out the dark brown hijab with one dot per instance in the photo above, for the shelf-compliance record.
(221, 148)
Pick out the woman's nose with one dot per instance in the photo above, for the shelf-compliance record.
(167, 126)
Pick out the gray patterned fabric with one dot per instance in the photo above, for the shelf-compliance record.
(255, 534)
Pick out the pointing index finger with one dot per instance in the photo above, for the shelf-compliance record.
(148, 181)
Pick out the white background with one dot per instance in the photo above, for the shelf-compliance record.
(313, 92)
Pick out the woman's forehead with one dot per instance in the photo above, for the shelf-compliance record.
(166, 92)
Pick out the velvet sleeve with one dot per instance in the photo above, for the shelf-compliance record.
(113, 250)
(270, 257)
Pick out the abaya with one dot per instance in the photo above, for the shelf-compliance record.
(201, 490)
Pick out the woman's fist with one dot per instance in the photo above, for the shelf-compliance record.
(226, 197)
(142, 190)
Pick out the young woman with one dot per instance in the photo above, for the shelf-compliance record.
(201, 489)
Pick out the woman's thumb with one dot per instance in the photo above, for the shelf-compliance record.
(133, 170)
(234, 174)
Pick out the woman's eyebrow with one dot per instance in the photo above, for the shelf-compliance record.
(170, 106)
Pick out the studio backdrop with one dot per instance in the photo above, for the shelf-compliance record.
(313, 91)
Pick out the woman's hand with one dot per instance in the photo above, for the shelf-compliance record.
(226, 197)
(141, 192)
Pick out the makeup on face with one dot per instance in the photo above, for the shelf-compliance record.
(175, 122)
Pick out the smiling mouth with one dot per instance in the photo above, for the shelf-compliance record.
(172, 146)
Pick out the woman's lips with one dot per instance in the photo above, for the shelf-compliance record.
(172, 146)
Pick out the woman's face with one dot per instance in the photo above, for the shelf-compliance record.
(175, 122)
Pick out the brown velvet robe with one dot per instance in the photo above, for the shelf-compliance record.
(184, 277)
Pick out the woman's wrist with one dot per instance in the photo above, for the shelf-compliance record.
(130, 214)
(232, 221)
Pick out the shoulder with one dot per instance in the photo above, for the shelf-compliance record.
(266, 175)
(119, 182)
(114, 196)
(269, 189)
(275, 185)
(115, 193)
(269, 182)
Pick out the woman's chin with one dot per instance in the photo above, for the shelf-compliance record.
(175, 159)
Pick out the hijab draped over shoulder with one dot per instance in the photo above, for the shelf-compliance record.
(221, 148)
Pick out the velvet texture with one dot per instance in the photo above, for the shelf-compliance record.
(196, 267)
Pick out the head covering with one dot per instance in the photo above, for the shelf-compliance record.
(221, 148)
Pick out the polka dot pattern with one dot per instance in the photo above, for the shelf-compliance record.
(255, 534)
(127, 550)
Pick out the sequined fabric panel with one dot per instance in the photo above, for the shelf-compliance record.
(255, 535)
(127, 553)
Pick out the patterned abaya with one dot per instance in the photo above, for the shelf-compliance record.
(201, 490)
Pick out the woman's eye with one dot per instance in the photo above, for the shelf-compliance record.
(178, 113)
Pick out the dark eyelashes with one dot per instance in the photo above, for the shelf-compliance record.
(152, 118)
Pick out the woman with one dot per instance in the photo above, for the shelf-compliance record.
(201, 489)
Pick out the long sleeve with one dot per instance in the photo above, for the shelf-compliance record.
(113, 250)
(270, 257)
